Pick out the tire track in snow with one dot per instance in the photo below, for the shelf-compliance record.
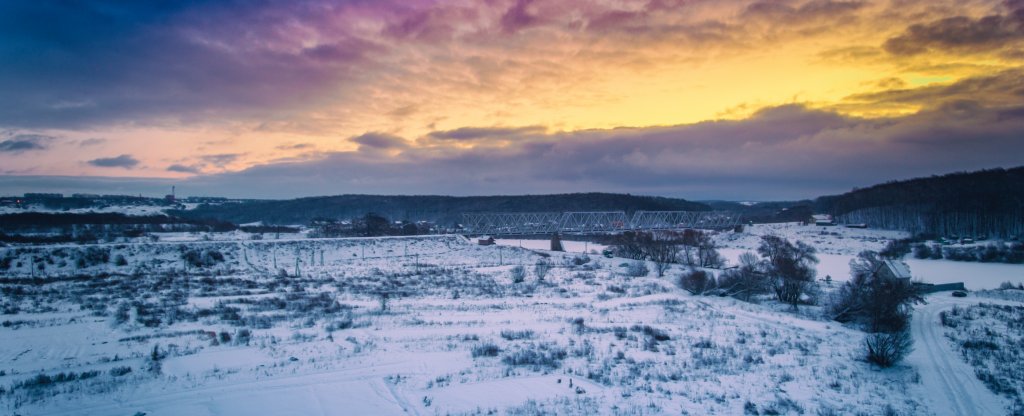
(950, 382)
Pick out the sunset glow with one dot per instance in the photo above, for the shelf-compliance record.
(350, 96)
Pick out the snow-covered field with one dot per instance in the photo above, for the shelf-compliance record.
(429, 325)
(836, 247)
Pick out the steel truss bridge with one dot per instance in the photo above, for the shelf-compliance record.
(593, 222)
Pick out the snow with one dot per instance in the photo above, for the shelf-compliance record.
(568, 245)
(947, 380)
(632, 345)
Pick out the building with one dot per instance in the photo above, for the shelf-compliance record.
(171, 197)
(822, 219)
(894, 269)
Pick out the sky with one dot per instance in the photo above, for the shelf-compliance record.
(735, 100)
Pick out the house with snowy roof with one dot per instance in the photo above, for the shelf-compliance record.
(895, 269)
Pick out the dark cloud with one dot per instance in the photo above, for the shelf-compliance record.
(381, 141)
(810, 12)
(183, 168)
(122, 161)
(780, 153)
(220, 160)
(25, 142)
(963, 34)
(785, 152)
(69, 64)
(17, 185)
(423, 25)
(475, 133)
(296, 146)
(1003, 89)
(519, 17)
(349, 50)
(404, 111)
(91, 142)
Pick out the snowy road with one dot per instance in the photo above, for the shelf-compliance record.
(948, 380)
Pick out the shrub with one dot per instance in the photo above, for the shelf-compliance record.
(580, 260)
(514, 335)
(637, 268)
(885, 349)
(92, 256)
(120, 371)
(204, 258)
(487, 349)
(922, 251)
(696, 281)
(578, 324)
(537, 356)
(344, 322)
(896, 249)
(542, 268)
(242, 336)
(1009, 286)
(518, 274)
(45, 380)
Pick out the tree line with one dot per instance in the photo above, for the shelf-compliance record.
(987, 202)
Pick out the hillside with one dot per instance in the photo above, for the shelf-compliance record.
(440, 209)
(766, 212)
(987, 202)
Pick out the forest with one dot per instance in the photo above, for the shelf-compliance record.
(982, 203)
(443, 210)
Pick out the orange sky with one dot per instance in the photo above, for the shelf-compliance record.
(203, 89)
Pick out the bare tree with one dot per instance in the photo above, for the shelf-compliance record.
(746, 280)
(791, 267)
(697, 282)
(663, 250)
(881, 302)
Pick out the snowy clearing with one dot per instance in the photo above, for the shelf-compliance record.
(300, 326)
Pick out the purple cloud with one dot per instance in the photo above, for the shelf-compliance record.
(376, 140)
(963, 34)
(183, 168)
(122, 161)
(19, 143)
(780, 153)
(474, 133)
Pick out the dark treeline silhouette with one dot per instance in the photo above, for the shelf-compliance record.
(443, 210)
(86, 227)
(987, 202)
(44, 219)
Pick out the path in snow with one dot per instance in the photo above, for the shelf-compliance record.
(948, 380)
